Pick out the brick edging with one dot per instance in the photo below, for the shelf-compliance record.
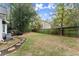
(12, 47)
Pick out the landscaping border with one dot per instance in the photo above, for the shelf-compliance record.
(12, 47)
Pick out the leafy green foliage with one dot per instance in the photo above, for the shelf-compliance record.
(67, 15)
(21, 16)
(36, 23)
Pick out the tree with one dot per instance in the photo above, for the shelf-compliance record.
(67, 15)
(60, 16)
(21, 16)
(36, 23)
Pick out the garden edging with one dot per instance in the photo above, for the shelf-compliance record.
(12, 47)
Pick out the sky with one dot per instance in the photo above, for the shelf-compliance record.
(45, 10)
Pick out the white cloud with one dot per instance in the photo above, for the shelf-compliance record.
(40, 15)
(51, 13)
(45, 14)
(49, 18)
(40, 6)
(50, 5)
(36, 8)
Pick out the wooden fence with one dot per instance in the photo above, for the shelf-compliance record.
(68, 31)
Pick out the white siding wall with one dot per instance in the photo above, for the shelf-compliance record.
(5, 28)
(46, 25)
(2, 10)
(1, 30)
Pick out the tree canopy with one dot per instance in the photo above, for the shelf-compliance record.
(21, 15)
(66, 15)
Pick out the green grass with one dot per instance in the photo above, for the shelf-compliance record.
(38, 44)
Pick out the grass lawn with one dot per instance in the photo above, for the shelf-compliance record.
(38, 44)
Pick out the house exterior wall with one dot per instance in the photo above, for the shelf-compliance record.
(1, 30)
(3, 14)
(45, 25)
(2, 10)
